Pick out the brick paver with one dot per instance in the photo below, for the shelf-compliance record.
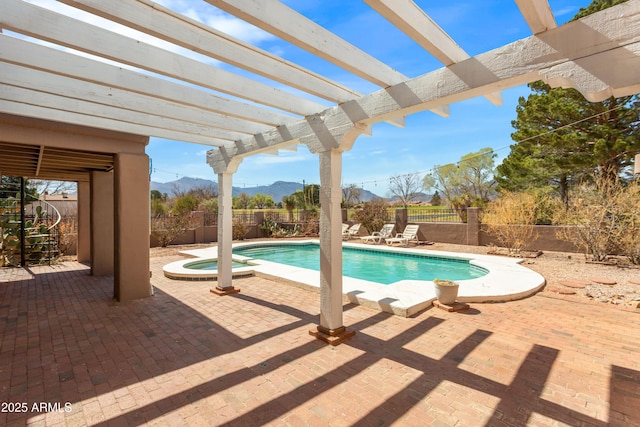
(188, 357)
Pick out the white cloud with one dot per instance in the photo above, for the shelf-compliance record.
(237, 28)
(218, 19)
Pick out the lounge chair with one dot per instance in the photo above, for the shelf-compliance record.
(379, 236)
(409, 234)
(351, 231)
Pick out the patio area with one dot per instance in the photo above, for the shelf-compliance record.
(188, 357)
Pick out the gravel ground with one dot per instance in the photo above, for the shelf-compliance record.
(554, 266)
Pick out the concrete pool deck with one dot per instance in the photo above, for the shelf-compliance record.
(188, 357)
(507, 280)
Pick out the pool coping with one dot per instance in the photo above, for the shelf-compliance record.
(403, 298)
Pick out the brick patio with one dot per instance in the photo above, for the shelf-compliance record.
(188, 357)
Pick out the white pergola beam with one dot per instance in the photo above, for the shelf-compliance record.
(156, 126)
(284, 22)
(20, 108)
(15, 75)
(59, 29)
(415, 23)
(538, 15)
(151, 18)
(32, 55)
(524, 61)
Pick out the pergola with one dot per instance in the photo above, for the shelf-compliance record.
(88, 118)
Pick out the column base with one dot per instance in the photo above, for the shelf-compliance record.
(332, 336)
(224, 291)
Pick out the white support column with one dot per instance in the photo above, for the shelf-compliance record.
(331, 328)
(225, 235)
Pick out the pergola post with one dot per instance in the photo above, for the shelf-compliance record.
(225, 236)
(331, 328)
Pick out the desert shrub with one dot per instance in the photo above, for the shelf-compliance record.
(511, 218)
(603, 219)
(67, 234)
(166, 228)
(629, 238)
(272, 229)
(182, 205)
(158, 208)
(209, 206)
(311, 222)
(373, 215)
(240, 228)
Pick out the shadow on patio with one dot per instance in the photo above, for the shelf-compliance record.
(188, 356)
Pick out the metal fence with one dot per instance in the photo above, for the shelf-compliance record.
(435, 215)
(248, 218)
(295, 216)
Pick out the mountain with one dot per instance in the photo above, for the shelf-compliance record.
(182, 185)
(277, 190)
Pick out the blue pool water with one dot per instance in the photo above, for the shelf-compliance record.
(374, 266)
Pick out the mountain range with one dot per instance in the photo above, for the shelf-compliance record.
(277, 190)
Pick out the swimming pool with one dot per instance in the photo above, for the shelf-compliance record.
(502, 278)
(378, 266)
(211, 265)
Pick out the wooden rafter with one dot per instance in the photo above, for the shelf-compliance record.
(414, 22)
(151, 18)
(279, 19)
(53, 27)
(538, 15)
(32, 55)
(51, 163)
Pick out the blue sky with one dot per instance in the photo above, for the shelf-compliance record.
(426, 140)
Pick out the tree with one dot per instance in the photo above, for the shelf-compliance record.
(261, 201)
(469, 182)
(157, 195)
(351, 195)
(373, 215)
(53, 187)
(405, 187)
(597, 6)
(184, 205)
(204, 192)
(561, 138)
(564, 139)
(242, 201)
(436, 200)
